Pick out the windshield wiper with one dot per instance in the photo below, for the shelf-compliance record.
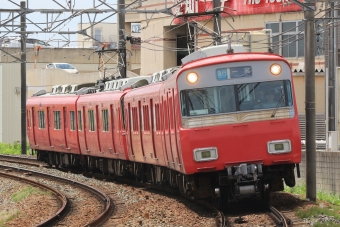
(278, 104)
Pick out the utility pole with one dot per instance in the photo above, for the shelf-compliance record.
(23, 76)
(121, 38)
(217, 23)
(310, 101)
(332, 135)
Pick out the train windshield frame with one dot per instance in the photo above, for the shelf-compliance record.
(237, 97)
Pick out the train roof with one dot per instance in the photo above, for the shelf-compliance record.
(233, 57)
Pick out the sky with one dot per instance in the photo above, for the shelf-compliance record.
(68, 25)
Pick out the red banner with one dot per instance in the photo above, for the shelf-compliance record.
(233, 7)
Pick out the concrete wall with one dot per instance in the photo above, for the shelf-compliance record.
(10, 100)
(327, 171)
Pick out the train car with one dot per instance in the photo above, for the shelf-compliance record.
(221, 126)
(229, 126)
(51, 126)
(239, 128)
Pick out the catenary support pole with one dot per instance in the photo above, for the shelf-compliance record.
(23, 77)
(121, 38)
(310, 102)
(217, 23)
(331, 79)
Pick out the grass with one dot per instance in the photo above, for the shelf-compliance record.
(6, 216)
(9, 215)
(23, 194)
(332, 207)
(13, 149)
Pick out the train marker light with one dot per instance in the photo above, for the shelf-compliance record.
(279, 146)
(205, 154)
(192, 78)
(275, 69)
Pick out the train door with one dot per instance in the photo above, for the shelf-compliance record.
(114, 149)
(32, 120)
(130, 128)
(122, 117)
(152, 131)
(173, 139)
(98, 127)
(166, 131)
(65, 126)
(48, 115)
(141, 127)
(85, 129)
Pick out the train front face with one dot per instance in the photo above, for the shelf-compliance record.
(240, 122)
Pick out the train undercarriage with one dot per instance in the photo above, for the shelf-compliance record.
(233, 184)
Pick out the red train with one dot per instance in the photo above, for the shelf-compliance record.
(220, 126)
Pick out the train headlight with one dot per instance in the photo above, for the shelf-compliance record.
(192, 78)
(275, 69)
(205, 154)
(279, 146)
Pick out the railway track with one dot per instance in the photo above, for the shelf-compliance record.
(222, 219)
(96, 208)
(61, 198)
(219, 216)
(31, 161)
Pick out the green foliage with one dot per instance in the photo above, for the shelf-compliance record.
(322, 196)
(6, 216)
(315, 211)
(13, 149)
(23, 194)
(326, 224)
(327, 197)
(298, 189)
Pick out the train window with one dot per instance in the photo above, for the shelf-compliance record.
(41, 118)
(146, 118)
(232, 98)
(91, 120)
(171, 116)
(266, 95)
(134, 119)
(28, 118)
(105, 117)
(200, 101)
(72, 121)
(157, 119)
(57, 120)
(80, 121)
(123, 113)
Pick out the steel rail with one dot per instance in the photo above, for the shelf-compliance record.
(279, 216)
(102, 217)
(62, 198)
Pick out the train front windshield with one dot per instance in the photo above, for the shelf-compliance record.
(234, 98)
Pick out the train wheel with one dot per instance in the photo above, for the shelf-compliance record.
(265, 196)
(221, 198)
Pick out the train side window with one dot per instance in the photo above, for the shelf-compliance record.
(123, 113)
(171, 111)
(157, 118)
(158, 123)
(80, 121)
(41, 118)
(29, 123)
(91, 120)
(72, 121)
(166, 115)
(57, 120)
(105, 117)
(146, 118)
(134, 119)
